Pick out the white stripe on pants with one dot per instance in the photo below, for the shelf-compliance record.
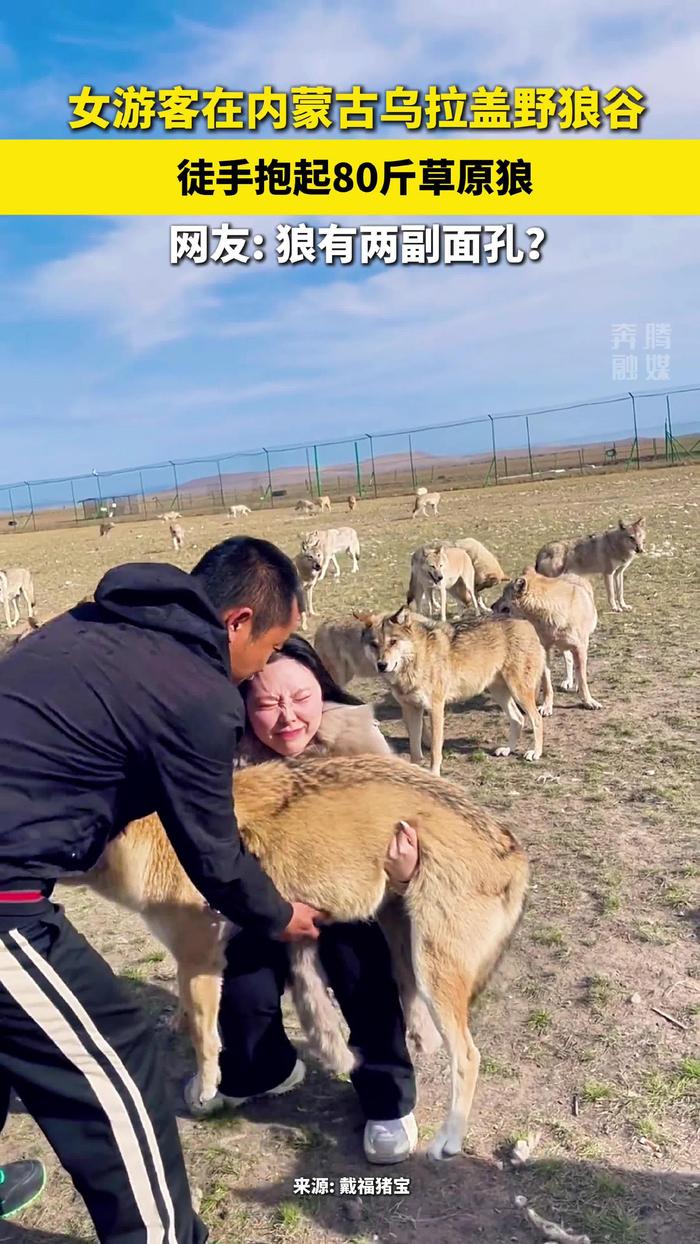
(42, 1010)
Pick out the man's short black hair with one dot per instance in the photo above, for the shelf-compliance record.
(253, 574)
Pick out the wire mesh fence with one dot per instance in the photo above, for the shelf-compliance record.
(630, 431)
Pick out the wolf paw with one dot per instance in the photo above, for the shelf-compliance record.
(567, 686)
(444, 1146)
(627, 608)
(502, 751)
(545, 710)
(592, 703)
(531, 756)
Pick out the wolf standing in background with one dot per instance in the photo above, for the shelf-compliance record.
(563, 613)
(608, 554)
(430, 664)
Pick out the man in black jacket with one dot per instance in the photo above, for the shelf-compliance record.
(112, 711)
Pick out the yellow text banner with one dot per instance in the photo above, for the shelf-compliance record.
(480, 180)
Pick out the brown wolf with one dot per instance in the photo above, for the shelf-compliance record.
(309, 566)
(429, 665)
(437, 569)
(487, 568)
(608, 554)
(564, 615)
(321, 830)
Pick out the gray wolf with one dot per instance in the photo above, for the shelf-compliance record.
(238, 511)
(305, 506)
(324, 503)
(341, 647)
(429, 665)
(608, 554)
(309, 566)
(487, 568)
(439, 569)
(321, 829)
(326, 544)
(352, 501)
(425, 501)
(563, 613)
(16, 583)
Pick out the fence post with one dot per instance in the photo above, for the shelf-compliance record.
(410, 455)
(269, 477)
(75, 504)
(12, 509)
(177, 487)
(358, 473)
(31, 503)
(670, 443)
(529, 446)
(143, 495)
(493, 444)
(318, 473)
(308, 471)
(636, 433)
(221, 483)
(374, 469)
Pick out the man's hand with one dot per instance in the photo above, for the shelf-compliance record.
(302, 924)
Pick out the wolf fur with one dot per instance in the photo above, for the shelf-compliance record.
(563, 613)
(327, 543)
(608, 554)
(321, 830)
(437, 569)
(487, 568)
(429, 665)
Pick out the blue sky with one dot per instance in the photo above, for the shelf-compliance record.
(110, 356)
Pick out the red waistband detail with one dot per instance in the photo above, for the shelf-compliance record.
(20, 896)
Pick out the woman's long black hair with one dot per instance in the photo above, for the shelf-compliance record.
(299, 649)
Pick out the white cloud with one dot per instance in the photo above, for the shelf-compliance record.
(123, 283)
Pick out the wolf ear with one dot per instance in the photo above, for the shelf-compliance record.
(366, 618)
(621, 525)
(519, 585)
(639, 522)
(401, 617)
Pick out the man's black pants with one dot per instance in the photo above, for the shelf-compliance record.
(82, 1057)
(257, 1053)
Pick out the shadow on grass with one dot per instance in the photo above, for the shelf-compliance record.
(463, 1199)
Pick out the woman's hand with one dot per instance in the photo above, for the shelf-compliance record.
(402, 857)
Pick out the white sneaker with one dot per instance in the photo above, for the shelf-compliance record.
(390, 1140)
(202, 1109)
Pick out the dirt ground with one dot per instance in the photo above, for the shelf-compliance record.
(571, 1045)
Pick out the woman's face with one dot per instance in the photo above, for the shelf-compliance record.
(284, 706)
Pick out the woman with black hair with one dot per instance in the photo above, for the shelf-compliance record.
(295, 708)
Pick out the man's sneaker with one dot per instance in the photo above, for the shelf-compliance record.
(201, 1110)
(390, 1140)
(20, 1184)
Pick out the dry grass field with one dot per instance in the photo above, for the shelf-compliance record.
(571, 1044)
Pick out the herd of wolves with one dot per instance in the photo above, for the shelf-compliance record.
(505, 648)
(321, 827)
